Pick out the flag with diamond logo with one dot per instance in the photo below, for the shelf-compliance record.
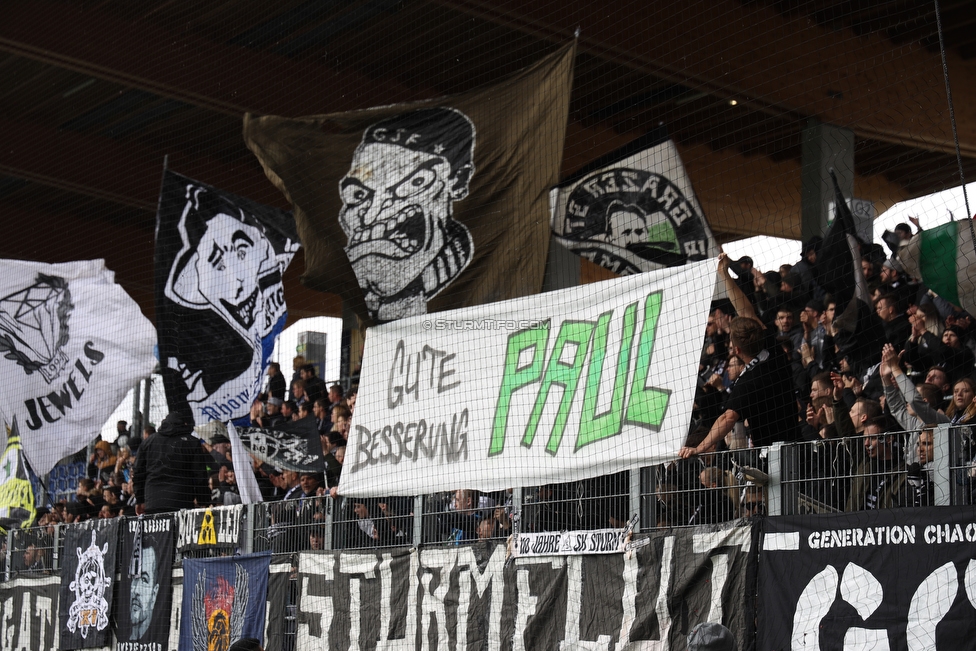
(72, 343)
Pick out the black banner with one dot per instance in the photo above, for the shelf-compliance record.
(279, 627)
(145, 590)
(291, 445)
(87, 584)
(219, 296)
(211, 528)
(889, 579)
(472, 597)
(28, 619)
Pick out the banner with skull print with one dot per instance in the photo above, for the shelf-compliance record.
(883, 579)
(72, 344)
(417, 208)
(219, 298)
(633, 210)
(87, 584)
(146, 583)
(224, 599)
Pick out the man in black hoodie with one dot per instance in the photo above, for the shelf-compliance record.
(171, 468)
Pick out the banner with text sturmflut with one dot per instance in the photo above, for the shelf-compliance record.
(890, 579)
(470, 597)
(552, 388)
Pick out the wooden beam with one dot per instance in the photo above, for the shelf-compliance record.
(125, 173)
(223, 78)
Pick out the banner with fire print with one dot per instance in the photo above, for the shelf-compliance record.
(72, 343)
(224, 600)
(87, 584)
(633, 210)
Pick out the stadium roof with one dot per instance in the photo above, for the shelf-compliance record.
(96, 93)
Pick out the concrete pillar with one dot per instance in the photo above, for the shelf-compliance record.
(824, 147)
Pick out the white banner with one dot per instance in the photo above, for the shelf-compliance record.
(72, 343)
(551, 388)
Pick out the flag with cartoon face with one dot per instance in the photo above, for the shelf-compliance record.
(417, 208)
(224, 599)
(633, 210)
(219, 297)
(87, 584)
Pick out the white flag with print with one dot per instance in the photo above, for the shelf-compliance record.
(72, 343)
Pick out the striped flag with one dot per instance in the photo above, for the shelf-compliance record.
(944, 258)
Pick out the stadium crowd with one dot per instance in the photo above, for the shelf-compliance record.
(862, 384)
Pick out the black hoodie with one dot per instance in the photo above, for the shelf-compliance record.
(171, 468)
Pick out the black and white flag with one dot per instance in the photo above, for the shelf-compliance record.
(899, 579)
(146, 588)
(72, 344)
(633, 210)
(220, 302)
(290, 445)
(87, 584)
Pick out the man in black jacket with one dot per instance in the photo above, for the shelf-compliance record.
(171, 469)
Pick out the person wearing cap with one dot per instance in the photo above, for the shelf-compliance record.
(711, 636)
(804, 268)
(219, 450)
(274, 412)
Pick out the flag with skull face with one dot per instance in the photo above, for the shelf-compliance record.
(633, 210)
(87, 582)
(219, 297)
(417, 208)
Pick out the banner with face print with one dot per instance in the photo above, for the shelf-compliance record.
(220, 302)
(633, 210)
(417, 208)
(886, 579)
(145, 589)
(72, 343)
(87, 584)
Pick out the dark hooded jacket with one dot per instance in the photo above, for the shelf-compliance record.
(171, 468)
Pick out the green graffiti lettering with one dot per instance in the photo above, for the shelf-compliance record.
(562, 374)
(515, 378)
(647, 406)
(593, 427)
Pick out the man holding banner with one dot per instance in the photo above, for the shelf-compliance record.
(763, 393)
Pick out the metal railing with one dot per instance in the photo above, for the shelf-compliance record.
(813, 477)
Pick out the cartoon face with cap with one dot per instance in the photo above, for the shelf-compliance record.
(397, 201)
